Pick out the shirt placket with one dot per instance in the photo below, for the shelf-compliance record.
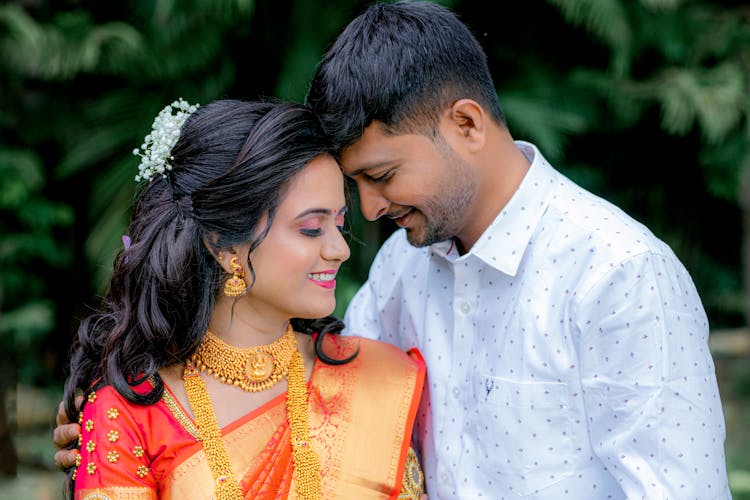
(458, 392)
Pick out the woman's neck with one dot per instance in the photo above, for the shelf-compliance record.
(240, 325)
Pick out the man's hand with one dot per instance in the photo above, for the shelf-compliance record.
(65, 434)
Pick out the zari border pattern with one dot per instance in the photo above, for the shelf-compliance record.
(117, 492)
(179, 414)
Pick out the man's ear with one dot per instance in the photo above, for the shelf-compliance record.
(464, 125)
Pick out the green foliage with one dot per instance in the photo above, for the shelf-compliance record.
(549, 119)
(607, 20)
(69, 45)
(630, 98)
(703, 82)
(309, 43)
(28, 251)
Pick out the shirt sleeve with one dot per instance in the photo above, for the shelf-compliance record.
(649, 385)
(363, 314)
(362, 317)
(113, 461)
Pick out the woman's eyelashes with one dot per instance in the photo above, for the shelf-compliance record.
(311, 232)
(314, 226)
(311, 228)
(316, 229)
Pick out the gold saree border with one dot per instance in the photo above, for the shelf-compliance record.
(407, 452)
(116, 493)
(368, 411)
(179, 414)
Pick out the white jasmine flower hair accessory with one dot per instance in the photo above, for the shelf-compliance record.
(156, 150)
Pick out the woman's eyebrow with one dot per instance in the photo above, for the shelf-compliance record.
(320, 211)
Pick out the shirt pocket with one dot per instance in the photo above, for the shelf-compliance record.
(525, 433)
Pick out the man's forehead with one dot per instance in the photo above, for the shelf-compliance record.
(372, 150)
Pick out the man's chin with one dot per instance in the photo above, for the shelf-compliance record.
(415, 238)
(420, 233)
(418, 238)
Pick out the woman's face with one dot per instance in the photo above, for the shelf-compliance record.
(296, 264)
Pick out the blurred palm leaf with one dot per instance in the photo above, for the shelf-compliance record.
(715, 98)
(70, 45)
(607, 20)
(547, 115)
(111, 210)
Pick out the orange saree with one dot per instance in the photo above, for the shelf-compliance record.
(361, 416)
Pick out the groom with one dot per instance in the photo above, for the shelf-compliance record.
(566, 345)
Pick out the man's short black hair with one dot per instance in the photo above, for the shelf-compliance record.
(402, 64)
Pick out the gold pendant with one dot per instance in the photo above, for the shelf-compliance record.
(259, 367)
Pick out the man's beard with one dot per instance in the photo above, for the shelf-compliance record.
(445, 217)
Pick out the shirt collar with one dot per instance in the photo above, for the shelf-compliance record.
(503, 243)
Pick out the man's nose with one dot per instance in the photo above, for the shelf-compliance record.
(371, 202)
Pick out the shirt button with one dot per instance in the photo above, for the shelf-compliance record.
(456, 392)
(465, 308)
(444, 478)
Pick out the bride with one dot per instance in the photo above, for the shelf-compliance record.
(213, 368)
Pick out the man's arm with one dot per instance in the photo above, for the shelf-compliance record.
(361, 315)
(652, 403)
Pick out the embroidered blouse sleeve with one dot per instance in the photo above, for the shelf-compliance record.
(113, 461)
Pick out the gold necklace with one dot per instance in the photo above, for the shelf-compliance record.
(305, 459)
(253, 369)
(227, 488)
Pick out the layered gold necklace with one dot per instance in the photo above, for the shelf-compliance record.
(236, 366)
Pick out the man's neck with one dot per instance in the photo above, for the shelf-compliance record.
(503, 167)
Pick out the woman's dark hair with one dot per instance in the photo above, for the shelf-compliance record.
(402, 64)
(231, 167)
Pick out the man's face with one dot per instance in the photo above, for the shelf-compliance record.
(418, 181)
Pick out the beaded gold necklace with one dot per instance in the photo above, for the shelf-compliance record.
(304, 458)
(253, 369)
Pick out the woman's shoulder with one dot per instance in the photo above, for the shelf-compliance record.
(381, 373)
(105, 401)
(109, 392)
(103, 395)
(379, 346)
(383, 356)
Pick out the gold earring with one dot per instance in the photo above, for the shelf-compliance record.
(235, 286)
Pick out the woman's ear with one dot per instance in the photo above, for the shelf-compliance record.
(224, 256)
(464, 125)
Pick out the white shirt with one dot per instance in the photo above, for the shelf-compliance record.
(566, 354)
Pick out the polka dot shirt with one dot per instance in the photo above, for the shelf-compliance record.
(567, 354)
